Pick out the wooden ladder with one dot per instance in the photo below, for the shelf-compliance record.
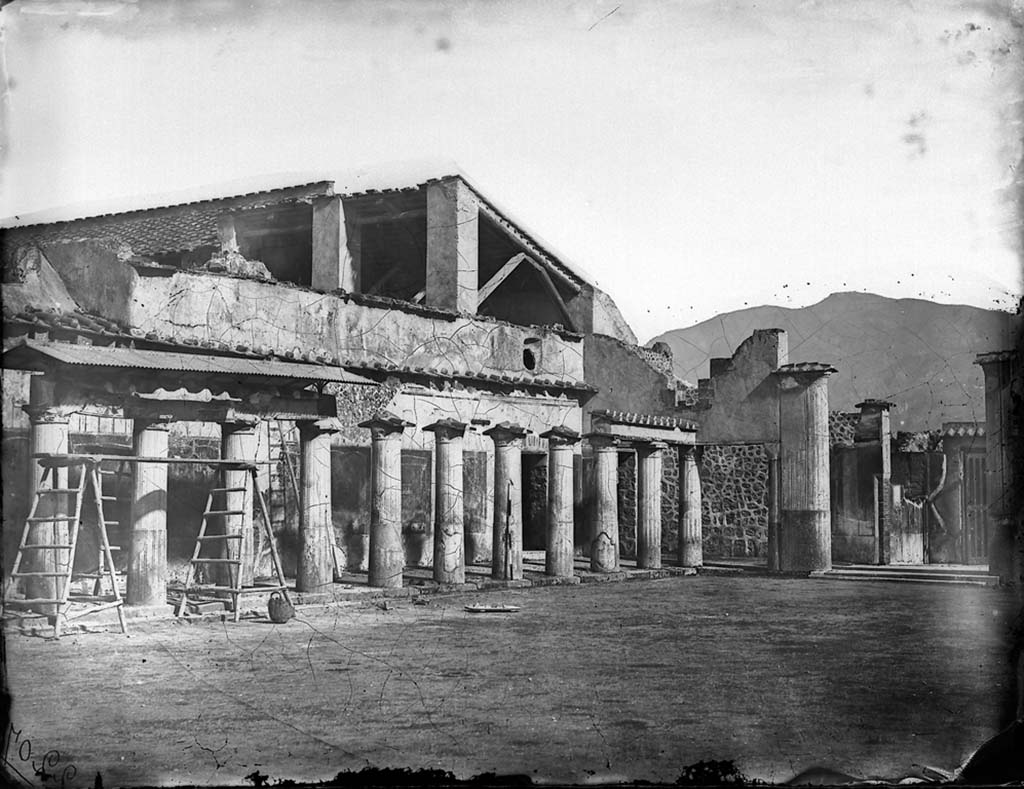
(47, 510)
(234, 589)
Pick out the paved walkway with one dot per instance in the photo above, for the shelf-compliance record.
(634, 680)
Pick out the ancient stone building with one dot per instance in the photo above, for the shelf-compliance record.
(406, 365)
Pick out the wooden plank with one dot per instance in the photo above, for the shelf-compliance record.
(503, 273)
(555, 295)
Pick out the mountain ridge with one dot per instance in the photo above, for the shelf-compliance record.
(916, 353)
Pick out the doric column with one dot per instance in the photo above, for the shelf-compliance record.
(774, 507)
(449, 564)
(49, 434)
(604, 530)
(147, 551)
(387, 557)
(805, 534)
(558, 557)
(691, 546)
(648, 509)
(238, 442)
(507, 539)
(316, 526)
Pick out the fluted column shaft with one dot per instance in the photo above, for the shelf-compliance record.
(449, 534)
(558, 560)
(387, 557)
(604, 534)
(648, 522)
(238, 442)
(691, 547)
(316, 524)
(147, 552)
(507, 539)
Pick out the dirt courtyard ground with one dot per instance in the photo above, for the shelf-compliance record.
(633, 680)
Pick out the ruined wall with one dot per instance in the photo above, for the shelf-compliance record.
(627, 381)
(734, 500)
(740, 402)
(253, 313)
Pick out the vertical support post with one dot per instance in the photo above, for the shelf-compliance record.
(558, 561)
(479, 513)
(238, 442)
(691, 546)
(648, 521)
(507, 539)
(226, 235)
(316, 527)
(449, 563)
(774, 507)
(805, 536)
(387, 556)
(147, 552)
(452, 246)
(604, 531)
(1005, 543)
(49, 434)
(334, 264)
(873, 430)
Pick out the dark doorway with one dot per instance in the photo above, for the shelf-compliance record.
(535, 502)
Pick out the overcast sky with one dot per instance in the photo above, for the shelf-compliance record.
(693, 157)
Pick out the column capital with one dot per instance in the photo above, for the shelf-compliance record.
(560, 435)
(790, 376)
(385, 424)
(161, 425)
(239, 426)
(505, 433)
(48, 414)
(446, 429)
(319, 426)
(602, 441)
(649, 446)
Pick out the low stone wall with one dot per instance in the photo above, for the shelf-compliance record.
(734, 500)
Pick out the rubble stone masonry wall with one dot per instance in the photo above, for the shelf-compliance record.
(734, 500)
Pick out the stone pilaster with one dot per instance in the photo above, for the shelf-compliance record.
(387, 556)
(559, 554)
(774, 506)
(648, 508)
(316, 526)
(449, 535)
(507, 540)
(147, 551)
(604, 531)
(452, 246)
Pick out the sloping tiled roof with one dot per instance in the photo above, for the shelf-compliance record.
(39, 355)
(806, 367)
(963, 430)
(645, 420)
(995, 356)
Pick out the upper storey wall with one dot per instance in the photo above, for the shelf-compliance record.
(243, 311)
